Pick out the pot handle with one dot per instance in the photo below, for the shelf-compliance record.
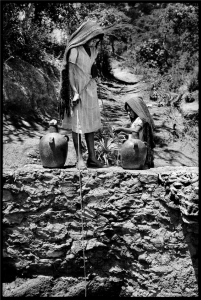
(136, 146)
(51, 140)
(66, 136)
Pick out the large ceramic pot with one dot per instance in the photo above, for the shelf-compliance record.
(133, 154)
(53, 149)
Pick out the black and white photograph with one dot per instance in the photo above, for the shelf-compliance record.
(100, 151)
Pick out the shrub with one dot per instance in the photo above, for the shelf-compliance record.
(153, 53)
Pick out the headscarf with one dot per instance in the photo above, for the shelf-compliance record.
(137, 104)
(84, 33)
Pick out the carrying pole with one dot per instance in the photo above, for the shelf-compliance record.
(81, 204)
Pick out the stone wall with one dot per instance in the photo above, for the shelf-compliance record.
(140, 232)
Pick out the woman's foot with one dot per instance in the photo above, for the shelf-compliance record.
(94, 163)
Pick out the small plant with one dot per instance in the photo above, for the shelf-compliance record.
(107, 151)
(190, 133)
(106, 145)
(193, 84)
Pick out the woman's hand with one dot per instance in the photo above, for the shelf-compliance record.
(76, 99)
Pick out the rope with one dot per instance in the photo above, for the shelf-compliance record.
(81, 204)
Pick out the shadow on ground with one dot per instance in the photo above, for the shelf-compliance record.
(17, 127)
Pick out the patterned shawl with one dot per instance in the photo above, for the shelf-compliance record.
(84, 33)
(139, 107)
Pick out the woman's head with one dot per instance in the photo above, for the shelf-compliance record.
(140, 109)
(130, 112)
(86, 32)
(95, 40)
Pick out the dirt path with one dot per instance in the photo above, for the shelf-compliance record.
(170, 150)
(21, 139)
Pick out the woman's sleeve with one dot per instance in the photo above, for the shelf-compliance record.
(72, 69)
(73, 55)
(138, 124)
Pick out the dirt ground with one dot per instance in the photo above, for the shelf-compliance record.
(21, 137)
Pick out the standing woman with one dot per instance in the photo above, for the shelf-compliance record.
(78, 93)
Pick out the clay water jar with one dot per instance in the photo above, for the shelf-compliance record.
(53, 149)
(133, 153)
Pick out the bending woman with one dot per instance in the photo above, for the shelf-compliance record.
(79, 90)
(142, 123)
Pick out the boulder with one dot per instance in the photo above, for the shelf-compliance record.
(189, 105)
(27, 88)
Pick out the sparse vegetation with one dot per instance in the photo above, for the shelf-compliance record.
(162, 37)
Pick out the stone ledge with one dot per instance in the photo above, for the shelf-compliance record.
(161, 170)
(140, 231)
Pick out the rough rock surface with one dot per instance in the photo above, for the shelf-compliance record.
(28, 88)
(140, 233)
(190, 104)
